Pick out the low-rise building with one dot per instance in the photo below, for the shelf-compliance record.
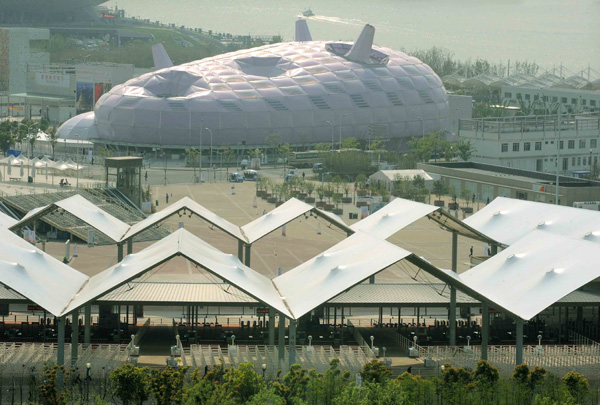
(487, 182)
(536, 143)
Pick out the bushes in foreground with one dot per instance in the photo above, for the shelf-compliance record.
(374, 384)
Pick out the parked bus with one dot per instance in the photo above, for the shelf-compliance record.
(304, 159)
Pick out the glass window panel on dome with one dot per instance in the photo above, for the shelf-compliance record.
(381, 72)
(240, 86)
(410, 97)
(306, 80)
(397, 71)
(262, 84)
(234, 120)
(405, 83)
(146, 118)
(281, 119)
(359, 116)
(346, 75)
(271, 92)
(298, 103)
(247, 94)
(121, 116)
(314, 89)
(145, 135)
(377, 100)
(283, 81)
(307, 63)
(326, 77)
(389, 84)
(411, 70)
(336, 66)
(341, 101)
(381, 115)
(175, 119)
(292, 91)
(313, 70)
(233, 79)
(220, 87)
(257, 118)
(175, 136)
(304, 117)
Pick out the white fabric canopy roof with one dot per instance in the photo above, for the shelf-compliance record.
(534, 272)
(6, 221)
(395, 216)
(286, 212)
(83, 209)
(508, 220)
(192, 206)
(225, 266)
(36, 275)
(339, 268)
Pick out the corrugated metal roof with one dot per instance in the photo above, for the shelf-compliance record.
(178, 293)
(400, 294)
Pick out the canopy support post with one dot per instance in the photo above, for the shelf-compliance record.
(519, 356)
(281, 339)
(271, 326)
(74, 336)
(241, 251)
(60, 353)
(485, 330)
(494, 250)
(119, 252)
(247, 255)
(452, 311)
(87, 318)
(129, 246)
(292, 334)
(342, 331)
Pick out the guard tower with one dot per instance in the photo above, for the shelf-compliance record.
(127, 173)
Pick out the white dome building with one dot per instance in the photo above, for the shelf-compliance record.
(305, 91)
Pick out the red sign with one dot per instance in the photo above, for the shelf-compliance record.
(34, 308)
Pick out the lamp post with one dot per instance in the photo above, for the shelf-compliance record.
(77, 162)
(341, 118)
(200, 160)
(330, 123)
(590, 163)
(211, 150)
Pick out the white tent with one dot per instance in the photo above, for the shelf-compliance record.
(182, 242)
(508, 220)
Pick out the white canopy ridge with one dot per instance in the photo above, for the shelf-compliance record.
(508, 220)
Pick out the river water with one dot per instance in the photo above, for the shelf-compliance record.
(548, 32)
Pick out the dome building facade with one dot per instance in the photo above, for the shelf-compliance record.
(306, 91)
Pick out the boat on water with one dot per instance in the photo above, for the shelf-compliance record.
(308, 13)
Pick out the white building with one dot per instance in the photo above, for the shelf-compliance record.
(388, 177)
(571, 99)
(531, 143)
(17, 57)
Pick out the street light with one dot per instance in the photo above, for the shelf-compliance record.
(330, 123)
(211, 150)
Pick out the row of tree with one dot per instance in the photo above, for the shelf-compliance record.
(372, 385)
(12, 132)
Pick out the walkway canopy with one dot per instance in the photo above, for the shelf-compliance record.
(400, 213)
(82, 209)
(181, 243)
(507, 220)
(36, 275)
(532, 274)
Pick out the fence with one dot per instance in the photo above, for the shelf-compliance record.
(559, 359)
(265, 359)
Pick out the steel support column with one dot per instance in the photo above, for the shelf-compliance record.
(292, 339)
(241, 251)
(281, 337)
(119, 252)
(87, 319)
(74, 336)
(452, 311)
(129, 246)
(60, 353)
(271, 327)
(485, 330)
(247, 255)
(519, 356)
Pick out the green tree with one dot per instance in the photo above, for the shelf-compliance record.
(244, 382)
(426, 147)
(130, 384)
(375, 372)
(274, 140)
(350, 143)
(466, 195)
(166, 385)
(439, 188)
(465, 149)
(378, 144)
(577, 386)
(53, 138)
(7, 138)
(323, 147)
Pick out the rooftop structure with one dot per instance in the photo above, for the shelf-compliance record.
(301, 90)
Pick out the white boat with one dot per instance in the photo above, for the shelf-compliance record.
(308, 13)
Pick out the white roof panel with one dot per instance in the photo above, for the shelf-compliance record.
(535, 272)
(274, 219)
(337, 269)
(36, 275)
(396, 215)
(225, 266)
(187, 204)
(7, 221)
(508, 220)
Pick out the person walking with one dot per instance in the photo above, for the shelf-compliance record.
(471, 251)
(167, 199)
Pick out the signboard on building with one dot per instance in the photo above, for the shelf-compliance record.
(52, 80)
